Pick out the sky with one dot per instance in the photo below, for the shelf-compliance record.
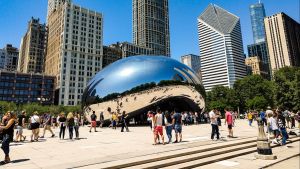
(15, 14)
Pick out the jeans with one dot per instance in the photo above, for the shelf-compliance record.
(215, 130)
(76, 131)
(285, 135)
(62, 132)
(124, 125)
(5, 144)
(71, 132)
(169, 132)
(250, 122)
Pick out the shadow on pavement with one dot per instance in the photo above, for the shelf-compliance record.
(15, 161)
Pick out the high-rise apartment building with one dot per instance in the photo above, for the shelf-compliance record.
(32, 49)
(221, 47)
(192, 61)
(111, 54)
(54, 4)
(255, 66)
(151, 25)
(9, 58)
(74, 50)
(257, 15)
(283, 39)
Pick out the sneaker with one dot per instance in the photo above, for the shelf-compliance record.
(42, 137)
(175, 141)
(53, 135)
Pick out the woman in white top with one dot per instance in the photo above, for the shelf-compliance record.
(274, 127)
(35, 126)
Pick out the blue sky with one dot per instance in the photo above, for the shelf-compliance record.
(14, 15)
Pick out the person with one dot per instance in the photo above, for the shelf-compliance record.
(168, 125)
(293, 119)
(114, 120)
(62, 125)
(214, 124)
(35, 126)
(54, 121)
(262, 116)
(47, 125)
(281, 125)
(286, 115)
(101, 119)
(177, 124)
(150, 119)
(229, 121)
(124, 122)
(70, 123)
(93, 122)
(218, 115)
(274, 127)
(20, 126)
(298, 119)
(158, 123)
(250, 118)
(76, 125)
(7, 133)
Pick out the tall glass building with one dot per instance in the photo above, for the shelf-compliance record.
(257, 14)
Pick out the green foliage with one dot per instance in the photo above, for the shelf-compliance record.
(221, 97)
(7, 106)
(287, 90)
(257, 103)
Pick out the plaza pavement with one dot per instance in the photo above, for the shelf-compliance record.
(109, 145)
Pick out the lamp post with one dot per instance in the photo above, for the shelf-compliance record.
(264, 150)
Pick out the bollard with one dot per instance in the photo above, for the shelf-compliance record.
(264, 150)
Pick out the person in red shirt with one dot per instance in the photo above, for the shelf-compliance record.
(229, 121)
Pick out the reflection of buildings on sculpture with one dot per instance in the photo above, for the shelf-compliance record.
(140, 83)
(192, 61)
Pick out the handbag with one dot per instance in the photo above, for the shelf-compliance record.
(29, 127)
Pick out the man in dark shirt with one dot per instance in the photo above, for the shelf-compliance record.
(93, 121)
(177, 123)
(20, 126)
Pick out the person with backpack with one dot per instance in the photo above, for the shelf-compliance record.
(93, 122)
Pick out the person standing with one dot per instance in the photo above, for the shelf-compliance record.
(274, 127)
(76, 125)
(214, 124)
(114, 118)
(229, 121)
(124, 122)
(281, 125)
(62, 125)
(8, 134)
(70, 122)
(47, 125)
(93, 122)
(158, 123)
(20, 126)
(177, 124)
(262, 116)
(169, 126)
(35, 126)
(250, 118)
(101, 119)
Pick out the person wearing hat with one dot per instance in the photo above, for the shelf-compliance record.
(8, 132)
(20, 126)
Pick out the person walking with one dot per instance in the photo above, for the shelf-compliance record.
(20, 126)
(47, 124)
(35, 126)
(229, 121)
(168, 126)
(8, 133)
(62, 125)
(93, 122)
(76, 125)
(158, 123)
(177, 124)
(70, 123)
(250, 118)
(114, 120)
(214, 124)
(124, 122)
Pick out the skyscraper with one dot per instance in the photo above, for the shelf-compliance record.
(32, 49)
(283, 39)
(54, 4)
(74, 50)
(9, 58)
(221, 47)
(193, 61)
(151, 25)
(257, 14)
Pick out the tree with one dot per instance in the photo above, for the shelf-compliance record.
(254, 88)
(258, 102)
(287, 90)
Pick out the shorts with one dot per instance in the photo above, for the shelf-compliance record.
(178, 128)
(159, 130)
(93, 123)
(19, 129)
(230, 126)
(35, 126)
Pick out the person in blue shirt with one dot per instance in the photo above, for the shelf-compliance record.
(262, 115)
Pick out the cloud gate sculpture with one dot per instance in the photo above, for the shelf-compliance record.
(138, 84)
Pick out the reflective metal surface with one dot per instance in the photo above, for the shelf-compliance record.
(138, 83)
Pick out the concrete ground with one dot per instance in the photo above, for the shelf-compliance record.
(109, 145)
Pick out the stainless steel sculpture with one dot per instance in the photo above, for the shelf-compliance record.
(140, 83)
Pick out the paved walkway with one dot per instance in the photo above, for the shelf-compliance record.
(108, 145)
